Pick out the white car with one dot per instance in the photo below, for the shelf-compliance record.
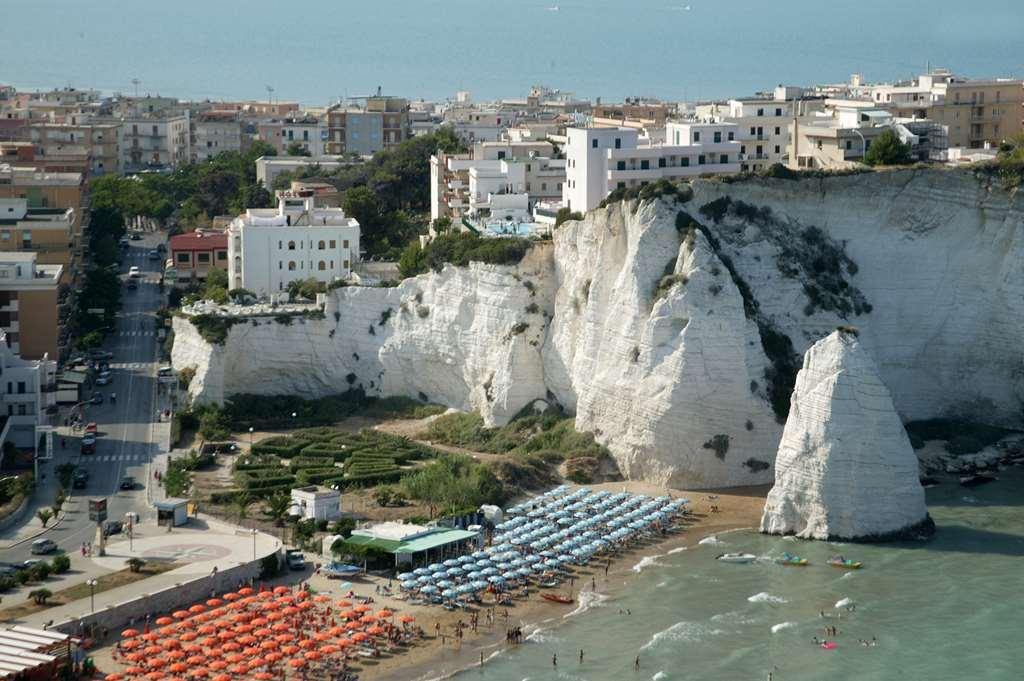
(42, 546)
(133, 272)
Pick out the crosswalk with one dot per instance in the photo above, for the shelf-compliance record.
(136, 333)
(131, 365)
(113, 458)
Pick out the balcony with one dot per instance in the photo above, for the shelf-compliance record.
(753, 157)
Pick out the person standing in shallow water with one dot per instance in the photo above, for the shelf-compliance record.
(554, 659)
(636, 663)
(581, 655)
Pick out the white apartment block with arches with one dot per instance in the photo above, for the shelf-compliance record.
(270, 247)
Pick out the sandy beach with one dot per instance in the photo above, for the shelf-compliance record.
(440, 655)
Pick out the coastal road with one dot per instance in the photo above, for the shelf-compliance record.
(127, 441)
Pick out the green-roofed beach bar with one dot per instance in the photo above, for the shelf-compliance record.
(413, 544)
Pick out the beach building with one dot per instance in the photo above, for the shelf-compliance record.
(270, 247)
(600, 160)
(415, 544)
(194, 253)
(84, 146)
(30, 654)
(33, 310)
(762, 125)
(315, 503)
(214, 132)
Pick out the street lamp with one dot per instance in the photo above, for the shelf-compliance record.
(250, 439)
(92, 594)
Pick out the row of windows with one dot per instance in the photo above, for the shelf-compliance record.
(321, 266)
(321, 245)
(185, 257)
(684, 162)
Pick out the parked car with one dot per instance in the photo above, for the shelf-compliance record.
(154, 254)
(80, 479)
(165, 371)
(104, 380)
(89, 443)
(112, 527)
(8, 570)
(134, 272)
(97, 398)
(123, 242)
(91, 427)
(43, 546)
(127, 482)
(295, 559)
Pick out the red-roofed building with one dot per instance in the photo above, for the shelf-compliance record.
(194, 253)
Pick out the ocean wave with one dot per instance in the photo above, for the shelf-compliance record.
(711, 541)
(647, 561)
(776, 628)
(844, 603)
(848, 575)
(765, 597)
(682, 631)
(659, 676)
(733, 618)
(587, 600)
(676, 550)
(660, 584)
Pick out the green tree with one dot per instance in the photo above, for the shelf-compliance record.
(214, 424)
(60, 564)
(413, 261)
(40, 595)
(40, 571)
(135, 564)
(44, 515)
(383, 495)
(564, 214)
(362, 204)
(887, 150)
(276, 507)
(296, 149)
(241, 505)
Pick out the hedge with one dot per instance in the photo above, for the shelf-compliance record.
(315, 476)
(282, 446)
(302, 462)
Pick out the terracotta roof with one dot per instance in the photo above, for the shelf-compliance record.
(198, 242)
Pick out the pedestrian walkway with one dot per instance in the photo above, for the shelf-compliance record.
(136, 333)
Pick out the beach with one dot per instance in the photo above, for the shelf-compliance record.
(441, 655)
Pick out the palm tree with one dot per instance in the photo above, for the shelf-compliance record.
(44, 516)
(242, 502)
(276, 508)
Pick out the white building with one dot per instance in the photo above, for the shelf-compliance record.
(315, 503)
(600, 160)
(269, 167)
(309, 132)
(215, 132)
(26, 389)
(155, 143)
(762, 126)
(270, 247)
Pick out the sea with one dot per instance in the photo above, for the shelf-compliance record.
(317, 51)
(950, 608)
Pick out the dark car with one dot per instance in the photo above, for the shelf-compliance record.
(112, 527)
(154, 255)
(80, 479)
(97, 398)
(89, 443)
(162, 247)
(127, 482)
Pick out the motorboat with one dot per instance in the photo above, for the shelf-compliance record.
(736, 557)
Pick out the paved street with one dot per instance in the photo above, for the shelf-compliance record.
(129, 433)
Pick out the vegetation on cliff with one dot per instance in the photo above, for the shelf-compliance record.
(460, 249)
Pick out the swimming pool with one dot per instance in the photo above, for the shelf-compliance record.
(512, 228)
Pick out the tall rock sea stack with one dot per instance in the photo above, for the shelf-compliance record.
(845, 468)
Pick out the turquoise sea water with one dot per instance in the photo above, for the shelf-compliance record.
(949, 608)
(318, 50)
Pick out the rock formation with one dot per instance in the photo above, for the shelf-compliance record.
(678, 349)
(845, 468)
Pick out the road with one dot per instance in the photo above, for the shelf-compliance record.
(127, 443)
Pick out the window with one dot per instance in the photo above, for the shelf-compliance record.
(753, 131)
(685, 161)
(849, 145)
(222, 255)
(334, 244)
(21, 387)
(321, 245)
(621, 165)
(184, 258)
(280, 245)
(203, 258)
(332, 265)
(21, 410)
(732, 136)
(344, 243)
(700, 160)
(760, 112)
(777, 149)
(527, 167)
(777, 130)
(291, 265)
(593, 143)
(696, 137)
(321, 266)
(543, 186)
(501, 155)
(661, 162)
(724, 158)
(345, 264)
(718, 137)
(618, 142)
(280, 265)
(645, 164)
(743, 148)
(291, 245)
(621, 185)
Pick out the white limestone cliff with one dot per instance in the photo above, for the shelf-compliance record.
(845, 468)
(662, 380)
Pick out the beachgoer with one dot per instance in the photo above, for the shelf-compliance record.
(481, 658)
(554, 659)
(581, 655)
(636, 663)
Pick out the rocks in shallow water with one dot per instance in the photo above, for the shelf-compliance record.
(845, 468)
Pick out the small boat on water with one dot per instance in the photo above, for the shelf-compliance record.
(792, 561)
(977, 479)
(736, 557)
(548, 583)
(844, 563)
(557, 598)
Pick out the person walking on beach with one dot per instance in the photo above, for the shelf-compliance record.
(636, 663)
(554, 659)
(481, 658)
(581, 655)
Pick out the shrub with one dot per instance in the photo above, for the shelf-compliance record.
(61, 564)
(460, 250)
(564, 215)
(719, 444)
(214, 329)
(756, 465)
(40, 595)
(135, 564)
(39, 571)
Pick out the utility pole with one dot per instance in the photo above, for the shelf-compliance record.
(135, 82)
(270, 94)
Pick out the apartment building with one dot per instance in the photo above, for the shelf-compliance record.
(382, 123)
(308, 132)
(976, 112)
(91, 147)
(27, 390)
(32, 313)
(270, 247)
(193, 254)
(600, 160)
(43, 189)
(214, 132)
(762, 125)
(49, 233)
(634, 112)
(155, 142)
